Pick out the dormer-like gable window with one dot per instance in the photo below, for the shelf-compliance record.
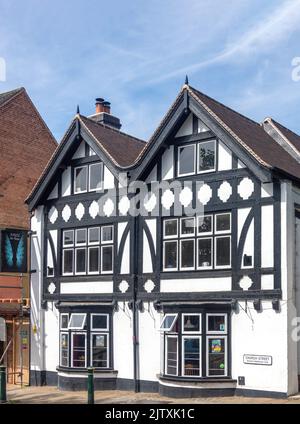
(88, 178)
(196, 158)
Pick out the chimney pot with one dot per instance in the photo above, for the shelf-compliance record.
(106, 106)
(99, 105)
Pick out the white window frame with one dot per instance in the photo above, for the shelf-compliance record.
(75, 270)
(112, 237)
(163, 330)
(101, 259)
(72, 347)
(60, 322)
(93, 243)
(189, 234)
(225, 356)
(68, 245)
(100, 329)
(91, 152)
(198, 151)
(170, 241)
(224, 231)
(63, 262)
(219, 315)
(91, 348)
(87, 178)
(83, 322)
(207, 233)
(80, 244)
(171, 336)
(88, 259)
(164, 230)
(212, 250)
(178, 159)
(182, 354)
(215, 252)
(180, 257)
(60, 348)
(192, 331)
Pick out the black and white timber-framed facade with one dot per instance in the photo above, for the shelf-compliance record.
(188, 290)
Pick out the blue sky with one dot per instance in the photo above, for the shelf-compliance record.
(136, 53)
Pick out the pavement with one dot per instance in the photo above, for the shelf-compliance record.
(52, 395)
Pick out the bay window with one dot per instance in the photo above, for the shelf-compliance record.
(88, 251)
(202, 242)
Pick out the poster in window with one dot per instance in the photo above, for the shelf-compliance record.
(13, 251)
(100, 341)
(216, 346)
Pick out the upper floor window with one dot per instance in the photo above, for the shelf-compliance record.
(196, 158)
(202, 242)
(88, 251)
(88, 178)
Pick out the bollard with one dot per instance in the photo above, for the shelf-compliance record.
(90, 385)
(3, 384)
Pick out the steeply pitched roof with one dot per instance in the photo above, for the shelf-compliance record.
(8, 95)
(121, 147)
(288, 134)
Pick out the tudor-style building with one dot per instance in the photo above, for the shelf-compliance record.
(194, 296)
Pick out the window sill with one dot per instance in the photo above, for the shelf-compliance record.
(195, 380)
(100, 372)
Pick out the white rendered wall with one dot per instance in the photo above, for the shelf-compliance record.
(195, 285)
(54, 193)
(80, 152)
(187, 127)
(224, 157)
(109, 179)
(267, 236)
(122, 341)
(66, 182)
(167, 164)
(51, 337)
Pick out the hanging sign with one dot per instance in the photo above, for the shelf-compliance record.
(13, 251)
(258, 359)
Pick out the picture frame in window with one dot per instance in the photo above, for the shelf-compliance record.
(83, 250)
(222, 266)
(95, 334)
(217, 217)
(207, 224)
(224, 331)
(165, 243)
(93, 236)
(166, 222)
(192, 255)
(193, 169)
(85, 177)
(103, 229)
(192, 330)
(183, 367)
(206, 264)
(168, 322)
(225, 369)
(68, 238)
(73, 334)
(99, 328)
(65, 252)
(99, 186)
(81, 320)
(191, 225)
(200, 146)
(64, 321)
(80, 237)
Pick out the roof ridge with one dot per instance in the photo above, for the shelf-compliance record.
(113, 129)
(227, 107)
(11, 94)
(283, 126)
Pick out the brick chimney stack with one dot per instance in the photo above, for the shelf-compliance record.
(103, 116)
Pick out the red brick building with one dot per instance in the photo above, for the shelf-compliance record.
(26, 145)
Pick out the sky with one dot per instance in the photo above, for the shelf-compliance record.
(136, 54)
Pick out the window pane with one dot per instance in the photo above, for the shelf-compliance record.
(99, 322)
(95, 176)
(94, 259)
(216, 323)
(191, 323)
(171, 355)
(204, 224)
(68, 261)
(187, 226)
(187, 253)
(107, 233)
(68, 238)
(107, 258)
(77, 321)
(64, 350)
(223, 222)
(168, 322)
(64, 321)
(99, 350)
(204, 252)
(216, 356)
(81, 236)
(222, 251)
(186, 158)
(94, 235)
(206, 156)
(170, 257)
(171, 227)
(78, 350)
(80, 260)
(191, 349)
(80, 179)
